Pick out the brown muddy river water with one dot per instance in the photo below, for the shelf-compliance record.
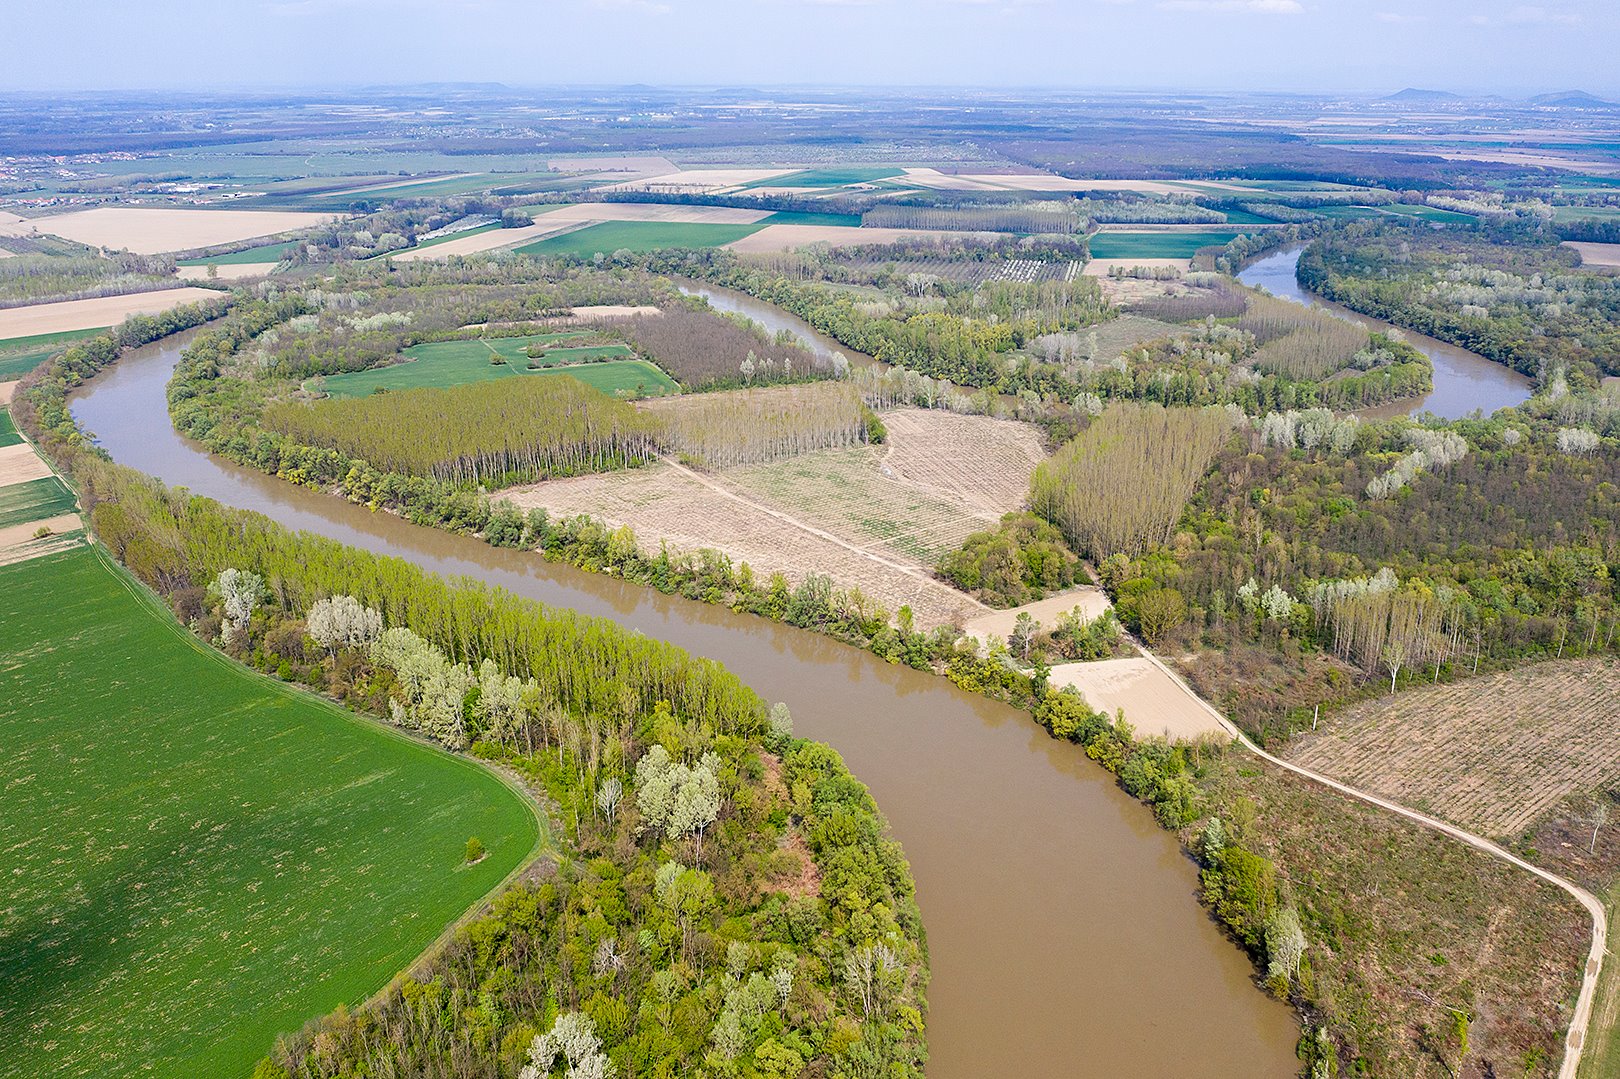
(1063, 925)
(1463, 380)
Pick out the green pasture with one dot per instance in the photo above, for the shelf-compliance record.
(1155, 245)
(809, 217)
(33, 501)
(8, 430)
(611, 236)
(1429, 213)
(20, 355)
(841, 177)
(268, 253)
(442, 364)
(197, 857)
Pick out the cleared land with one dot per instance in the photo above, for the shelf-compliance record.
(234, 271)
(152, 231)
(611, 236)
(1593, 254)
(1491, 753)
(1153, 702)
(190, 873)
(53, 318)
(1103, 267)
(441, 364)
(834, 512)
(1090, 601)
(1155, 245)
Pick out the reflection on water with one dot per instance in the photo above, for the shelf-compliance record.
(1063, 926)
(1463, 380)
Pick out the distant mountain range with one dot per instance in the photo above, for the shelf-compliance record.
(1562, 99)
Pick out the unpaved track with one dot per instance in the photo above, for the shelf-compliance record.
(804, 526)
(1576, 1038)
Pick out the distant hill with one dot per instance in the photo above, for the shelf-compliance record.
(1415, 96)
(1571, 99)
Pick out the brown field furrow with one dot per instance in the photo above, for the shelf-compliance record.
(1491, 753)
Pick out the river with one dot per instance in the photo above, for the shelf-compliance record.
(1063, 926)
(1463, 380)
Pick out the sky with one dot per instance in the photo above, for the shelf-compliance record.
(1500, 46)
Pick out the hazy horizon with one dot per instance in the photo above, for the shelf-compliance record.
(1209, 46)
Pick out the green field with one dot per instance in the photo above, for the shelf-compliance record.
(20, 355)
(1244, 217)
(1155, 245)
(611, 236)
(464, 185)
(1351, 213)
(854, 174)
(253, 255)
(441, 364)
(1429, 213)
(1566, 214)
(197, 857)
(8, 430)
(808, 217)
(34, 501)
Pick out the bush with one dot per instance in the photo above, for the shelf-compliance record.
(475, 850)
(1022, 560)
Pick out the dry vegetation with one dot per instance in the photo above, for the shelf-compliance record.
(1120, 485)
(719, 430)
(1491, 753)
(982, 463)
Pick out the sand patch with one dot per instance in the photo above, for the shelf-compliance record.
(700, 179)
(653, 211)
(1104, 267)
(487, 241)
(1593, 254)
(19, 464)
(92, 314)
(788, 237)
(1089, 600)
(152, 231)
(7, 389)
(227, 271)
(1154, 703)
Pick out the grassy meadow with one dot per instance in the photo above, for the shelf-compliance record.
(252, 256)
(20, 355)
(611, 236)
(1155, 245)
(442, 364)
(198, 857)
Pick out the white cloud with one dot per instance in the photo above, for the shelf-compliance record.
(1247, 7)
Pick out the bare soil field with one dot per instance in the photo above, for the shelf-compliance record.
(788, 237)
(228, 271)
(701, 179)
(850, 514)
(1089, 600)
(665, 504)
(6, 390)
(45, 318)
(152, 231)
(980, 463)
(652, 211)
(18, 542)
(19, 464)
(611, 310)
(948, 182)
(1104, 267)
(1491, 753)
(1596, 254)
(1154, 703)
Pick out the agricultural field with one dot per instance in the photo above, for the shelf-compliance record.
(830, 177)
(1592, 254)
(1156, 704)
(253, 255)
(441, 187)
(52, 319)
(1155, 245)
(1491, 753)
(38, 514)
(1429, 213)
(873, 517)
(20, 355)
(442, 364)
(191, 873)
(611, 236)
(150, 231)
(975, 271)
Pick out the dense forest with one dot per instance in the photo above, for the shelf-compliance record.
(1508, 292)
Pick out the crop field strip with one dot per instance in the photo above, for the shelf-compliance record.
(1491, 753)
(1156, 245)
(192, 872)
(611, 236)
(251, 257)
